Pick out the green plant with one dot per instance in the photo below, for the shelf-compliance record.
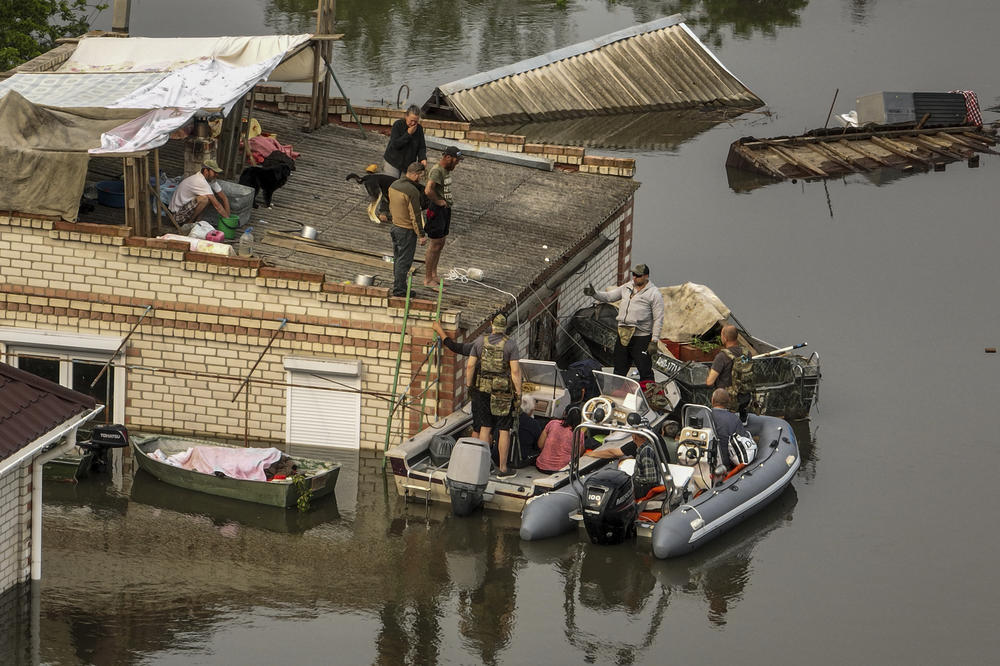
(305, 494)
(706, 346)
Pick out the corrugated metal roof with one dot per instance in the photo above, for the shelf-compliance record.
(31, 407)
(652, 66)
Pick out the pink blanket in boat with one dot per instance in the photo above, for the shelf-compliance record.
(234, 463)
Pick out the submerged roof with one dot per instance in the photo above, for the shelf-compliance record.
(652, 66)
(31, 406)
(516, 223)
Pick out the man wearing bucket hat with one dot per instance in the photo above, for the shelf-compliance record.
(195, 192)
(494, 370)
(640, 317)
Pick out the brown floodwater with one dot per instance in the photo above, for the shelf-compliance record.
(879, 553)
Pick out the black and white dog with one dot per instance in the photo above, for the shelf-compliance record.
(272, 174)
(377, 187)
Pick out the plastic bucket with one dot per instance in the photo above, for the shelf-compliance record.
(229, 226)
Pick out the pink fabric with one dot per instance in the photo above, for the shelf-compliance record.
(558, 447)
(235, 463)
(262, 146)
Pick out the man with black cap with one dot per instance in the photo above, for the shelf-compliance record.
(438, 190)
(640, 318)
(195, 192)
(494, 370)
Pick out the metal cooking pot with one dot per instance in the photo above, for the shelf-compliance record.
(364, 280)
(308, 232)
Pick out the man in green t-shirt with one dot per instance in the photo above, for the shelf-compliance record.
(438, 190)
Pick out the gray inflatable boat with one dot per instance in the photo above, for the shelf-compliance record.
(679, 506)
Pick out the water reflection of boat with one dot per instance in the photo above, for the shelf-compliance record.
(785, 385)
(320, 476)
(147, 489)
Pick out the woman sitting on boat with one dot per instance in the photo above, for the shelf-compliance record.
(556, 442)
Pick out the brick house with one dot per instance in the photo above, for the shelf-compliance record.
(38, 421)
(329, 363)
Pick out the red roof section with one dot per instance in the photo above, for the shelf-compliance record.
(31, 406)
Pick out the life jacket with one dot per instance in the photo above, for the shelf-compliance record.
(742, 382)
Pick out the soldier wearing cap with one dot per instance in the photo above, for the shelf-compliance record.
(438, 190)
(195, 192)
(640, 317)
(494, 371)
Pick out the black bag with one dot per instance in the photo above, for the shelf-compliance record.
(440, 449)
(580, 381)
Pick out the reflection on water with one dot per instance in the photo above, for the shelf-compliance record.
(659, 130)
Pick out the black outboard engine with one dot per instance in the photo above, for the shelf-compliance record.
(609, 511)
(95, 450)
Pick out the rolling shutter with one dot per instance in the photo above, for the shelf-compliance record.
(317, 415)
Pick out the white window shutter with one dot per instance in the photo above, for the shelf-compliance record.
(321, 417)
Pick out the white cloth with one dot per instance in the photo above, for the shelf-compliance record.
(191, 187)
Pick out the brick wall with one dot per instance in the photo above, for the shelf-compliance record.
(607, 269)
(15, 527)
(212, 317)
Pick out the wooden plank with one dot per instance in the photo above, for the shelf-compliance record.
(861, 136)
(327, 250)
(823, 151)
(905, 154)
(800, 163)
(934, 148)
(869, 155)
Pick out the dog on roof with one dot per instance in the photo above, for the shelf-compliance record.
(377, 187)
(271, 175)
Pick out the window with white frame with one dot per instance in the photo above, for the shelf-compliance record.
(323, 402)
(70, 359)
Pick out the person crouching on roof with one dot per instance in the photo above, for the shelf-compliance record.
(195, 192)
(494, 370)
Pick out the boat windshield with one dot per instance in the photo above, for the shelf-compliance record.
(623, 391)
(543, 374)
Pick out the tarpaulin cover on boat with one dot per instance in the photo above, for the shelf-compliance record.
(690, 309)
(43, 153)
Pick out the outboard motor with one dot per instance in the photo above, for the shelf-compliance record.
(95, 450)
(468, 473)
(609, 511)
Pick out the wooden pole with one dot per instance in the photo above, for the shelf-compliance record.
(314, 107)
(156, 168)
(830, 113)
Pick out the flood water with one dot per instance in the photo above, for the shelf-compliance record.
(882, 552)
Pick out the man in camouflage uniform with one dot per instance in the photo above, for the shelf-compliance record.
(494, 371)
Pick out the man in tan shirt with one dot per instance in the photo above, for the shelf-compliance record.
(407, 224)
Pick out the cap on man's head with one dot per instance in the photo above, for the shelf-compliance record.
(453, 151)
(640, 269)
(415, 167)
(499, 323)
(211, 164)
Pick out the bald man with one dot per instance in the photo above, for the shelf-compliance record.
(721, 374)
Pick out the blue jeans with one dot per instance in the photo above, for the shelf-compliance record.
(404, 245)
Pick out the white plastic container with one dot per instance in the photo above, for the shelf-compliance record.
(244, 247)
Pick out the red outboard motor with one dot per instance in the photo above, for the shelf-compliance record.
(609, 511)
(95, 450)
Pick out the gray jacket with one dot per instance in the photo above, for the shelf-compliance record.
(642, 309)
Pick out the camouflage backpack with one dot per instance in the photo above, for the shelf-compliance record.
(742, 377)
